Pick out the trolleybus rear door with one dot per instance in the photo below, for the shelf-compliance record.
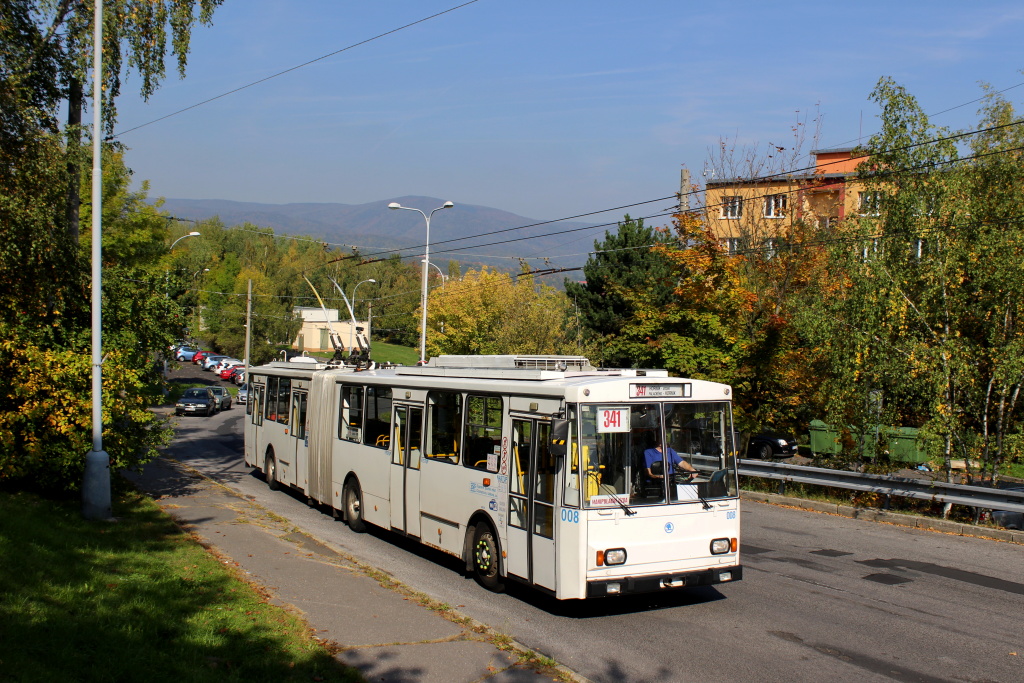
(405, 469)
(531, 519)
(300, 403)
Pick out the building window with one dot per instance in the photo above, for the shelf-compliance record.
(775, 206)
(869, 203)
(732, 245)
(770, 247)
(732, 207)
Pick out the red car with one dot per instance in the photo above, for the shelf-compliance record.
(226, 372)
(198, 358)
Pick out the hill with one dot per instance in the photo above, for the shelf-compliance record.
(373, 228)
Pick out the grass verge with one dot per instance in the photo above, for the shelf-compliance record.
(136, 599)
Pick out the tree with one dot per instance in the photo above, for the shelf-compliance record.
(931, 293)
(622, 266)
(44, 276)
(490, 312)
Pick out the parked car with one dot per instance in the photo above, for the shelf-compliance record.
(196, 401)
(768, 445)
(243, 394)
(232, 372)
(1007, 519)
(224, 363)
(200, 356)
(185, 353)
(212, 360)
(223, 397)
(227, 368)
(239, 376)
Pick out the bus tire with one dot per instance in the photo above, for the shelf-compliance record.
(271, 472)
(485, 558)
(354, 508)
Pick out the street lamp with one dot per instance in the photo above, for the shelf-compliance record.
(351, 329)
(191, 234)
(444, 278)
(426, 265)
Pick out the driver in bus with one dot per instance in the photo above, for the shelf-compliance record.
(675, 461)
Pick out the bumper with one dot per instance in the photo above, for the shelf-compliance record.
(652, 584)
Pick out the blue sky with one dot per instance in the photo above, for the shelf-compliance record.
(546, 108)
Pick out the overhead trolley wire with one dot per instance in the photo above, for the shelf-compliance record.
(294, 68)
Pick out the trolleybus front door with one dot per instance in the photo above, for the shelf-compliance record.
(405, 469)
(531, 519)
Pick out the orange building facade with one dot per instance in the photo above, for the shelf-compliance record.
(746, 213)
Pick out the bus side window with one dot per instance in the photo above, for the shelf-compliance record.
(350, 418)
(270, 404)
(483, 430)
(377, 414)
(444, 419)
(284, 392)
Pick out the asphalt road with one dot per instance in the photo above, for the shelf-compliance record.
(823, 597)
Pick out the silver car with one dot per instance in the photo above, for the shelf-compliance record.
(243, 394)
(222, 396)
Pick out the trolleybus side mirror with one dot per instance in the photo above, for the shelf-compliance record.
(559, 438)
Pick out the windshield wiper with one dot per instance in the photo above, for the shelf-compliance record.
(622, 505)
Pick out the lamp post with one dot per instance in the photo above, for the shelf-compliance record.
(191, 234)
(352, 327)
(199, 310)
(444, 278)
(426, 265)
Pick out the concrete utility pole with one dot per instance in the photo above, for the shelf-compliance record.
(248, 329)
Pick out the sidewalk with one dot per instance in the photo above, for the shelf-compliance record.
(383, 629)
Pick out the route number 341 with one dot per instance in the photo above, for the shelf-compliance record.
(610, 420)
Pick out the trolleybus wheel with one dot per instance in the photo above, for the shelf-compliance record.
(271, 473)
(354, 508)
(485, 558)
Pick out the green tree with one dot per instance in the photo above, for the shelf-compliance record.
(44, 276)
(490, 312)
(930, 297)
(623, 269)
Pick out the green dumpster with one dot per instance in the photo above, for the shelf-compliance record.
(905, 445)
(824, 441)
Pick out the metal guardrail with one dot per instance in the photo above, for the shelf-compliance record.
(921, 489)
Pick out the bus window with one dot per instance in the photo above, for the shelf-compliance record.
(299, 403)
(544, 493)
(350, 420)
(255, 405)
(571, 494)
(521, 435)
(377, 429)
(284, 390)
(444, 419)
(270, 404)
(483, 432)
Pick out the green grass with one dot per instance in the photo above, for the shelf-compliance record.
(393, 353)
(133, 600)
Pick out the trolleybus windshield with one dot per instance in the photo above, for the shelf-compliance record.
(654, 453)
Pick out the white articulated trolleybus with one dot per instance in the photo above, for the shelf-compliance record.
(539, 469)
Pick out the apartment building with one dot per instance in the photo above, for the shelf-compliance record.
(744, 212)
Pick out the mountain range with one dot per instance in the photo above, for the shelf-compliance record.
(469, 234)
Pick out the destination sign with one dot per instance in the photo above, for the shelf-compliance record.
(660, 390)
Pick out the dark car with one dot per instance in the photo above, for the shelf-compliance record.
(196, 401)
(223, 397)
(1007, 519)
(768, 445)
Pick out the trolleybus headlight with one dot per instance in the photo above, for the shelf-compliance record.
(615, 556)
(720, 546)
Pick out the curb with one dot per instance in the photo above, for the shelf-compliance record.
(386, 580)
(888, 517)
